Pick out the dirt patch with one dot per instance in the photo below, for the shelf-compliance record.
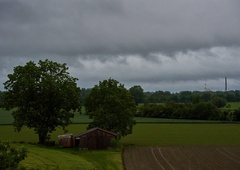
(185, 158)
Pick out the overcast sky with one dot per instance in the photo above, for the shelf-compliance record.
(169, 45)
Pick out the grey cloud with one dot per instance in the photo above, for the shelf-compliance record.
(184, 71)
(205, 64)
(116, 27)
(152, 42)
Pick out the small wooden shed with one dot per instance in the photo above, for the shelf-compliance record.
(66, 140)
(96, 138)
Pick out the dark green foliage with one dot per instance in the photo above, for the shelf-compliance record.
(151, 110)
(1, 99)
(84, 93)
(200, 111)
(191, 96)
(204, 111)
(10, 157)
(137, 93)
(112, 107)
(219, 102)
(237, 114)
(196, 98)
(185, 96)
(158, 97)
(114, 143)
(44, 96)
(207, 95)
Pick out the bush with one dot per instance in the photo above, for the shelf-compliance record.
(219, 102)
(114, 143)
(10, 157)
(237, 114)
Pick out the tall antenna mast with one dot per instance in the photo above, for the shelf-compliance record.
(225, 83)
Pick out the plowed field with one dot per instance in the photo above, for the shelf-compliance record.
(185, 158)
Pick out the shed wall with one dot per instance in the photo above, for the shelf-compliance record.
(95, 140)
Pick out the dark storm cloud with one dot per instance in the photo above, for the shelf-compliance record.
(113, 27)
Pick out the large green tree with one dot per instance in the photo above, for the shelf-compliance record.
(112, 107)
(43, 96)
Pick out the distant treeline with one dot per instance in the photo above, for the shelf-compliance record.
(190, 105)
(197, 111)
(180, 97)
(190, 96)
(166, 96)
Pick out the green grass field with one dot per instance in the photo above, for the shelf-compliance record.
(184, 134)
(151, 132)
(7, 119)
(143, 135)
(234, 105)
(57, 157)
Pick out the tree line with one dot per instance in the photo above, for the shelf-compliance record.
(166, 96)
(179, 97)
(196, 111)
(189, 96)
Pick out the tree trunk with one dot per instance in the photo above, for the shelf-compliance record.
(42, 138)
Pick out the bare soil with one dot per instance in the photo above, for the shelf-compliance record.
(182, 158)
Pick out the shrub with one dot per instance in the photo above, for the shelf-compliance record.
(10, 157)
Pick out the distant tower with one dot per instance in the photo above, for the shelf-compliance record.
(225, 83)
(205, 88)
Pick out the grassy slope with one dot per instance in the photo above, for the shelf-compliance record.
(50, 158)
(70, 158)
(59, 158)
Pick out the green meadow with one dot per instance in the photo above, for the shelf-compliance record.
(231, 106)
(183, 134)
(145, 134)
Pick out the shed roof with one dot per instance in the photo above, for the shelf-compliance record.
(100, 129)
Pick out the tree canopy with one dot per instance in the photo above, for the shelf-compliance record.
(138, 94)
(43, 96)
(112, 107)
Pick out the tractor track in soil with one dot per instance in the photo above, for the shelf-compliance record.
(182, 158)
